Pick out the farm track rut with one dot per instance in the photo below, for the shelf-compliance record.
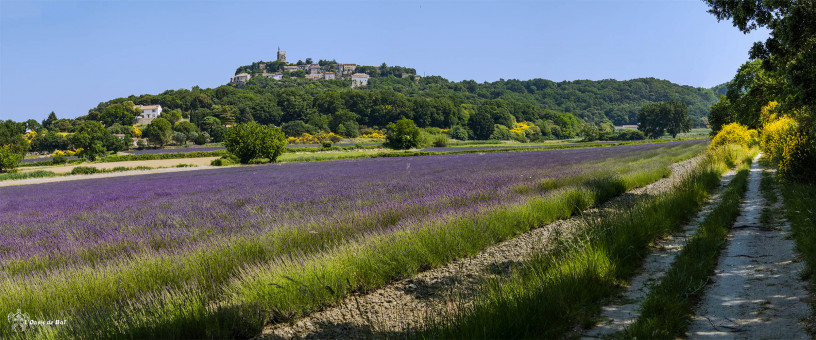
(404, 306)
(756, 291)
(625, 309)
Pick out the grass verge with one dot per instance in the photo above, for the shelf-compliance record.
(27, 175)
(798, 198)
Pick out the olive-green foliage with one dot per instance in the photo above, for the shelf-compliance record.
(84, 170)
(26, 175)
(657, 118)
(185, 127)
(482, 125)
(253, 140)
(440, 141)
(458, 132)
(159, 131)
(402, 135)
(94, 140)
(500, 132)
(8, 158)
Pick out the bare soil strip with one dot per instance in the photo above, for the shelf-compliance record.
(406, 305)
(626, 308)
(757, 292)
(41, 180)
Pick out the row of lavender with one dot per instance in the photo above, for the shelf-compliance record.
(106, 218)
(189, 236)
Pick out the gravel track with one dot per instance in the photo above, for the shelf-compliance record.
(408, 304)
(757, 292)
(625, 309)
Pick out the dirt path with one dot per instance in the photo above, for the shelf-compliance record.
(626, 308)
(756, 293)
(154, 163)
(406, 305)
(41, 180)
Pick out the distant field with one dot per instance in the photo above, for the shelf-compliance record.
(64, 169)
(191, 255)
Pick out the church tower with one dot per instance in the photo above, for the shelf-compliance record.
(281, 55)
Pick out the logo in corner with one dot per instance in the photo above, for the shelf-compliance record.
(19, 321)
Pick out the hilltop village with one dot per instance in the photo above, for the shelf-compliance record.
(322, 70)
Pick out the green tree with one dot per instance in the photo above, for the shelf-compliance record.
(122, 113)
(721, 114)
(179, 138)
(297, 128)
(9, 158)
(172, 116)
(481, 124)
(11, 134)
(501, 132)
(52, 117)
(790, 49)
(94, 140)
(185, 127)
(401, 135)
(655, 119)
(458, 132)
(650, 121)
(159, 132)
(252, 140)
(677, 117)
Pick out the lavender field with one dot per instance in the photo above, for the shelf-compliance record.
(189, 248)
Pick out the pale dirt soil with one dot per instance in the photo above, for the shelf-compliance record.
(757, 291)
(407, 305)
(201, 163)
(64, 169)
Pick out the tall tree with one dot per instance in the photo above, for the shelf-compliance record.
(159, 131)
(52, 117)
(676, 117)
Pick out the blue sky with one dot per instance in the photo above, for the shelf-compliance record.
(67, 56)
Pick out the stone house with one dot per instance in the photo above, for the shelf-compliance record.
(359, 80)
(240, 78)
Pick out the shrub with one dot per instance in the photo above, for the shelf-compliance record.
(58, 159)
(734, 133)
(500, 132)
(458, 132)
(629, 135)
(202, 138)
(84, 170)
(440, 141)
(326, 143)
(401, 135)
(798, 157)
(9, 158)
(223, 161)
(253, 140)
(774, 136)
(519, 137)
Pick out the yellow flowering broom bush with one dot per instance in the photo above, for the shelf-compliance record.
(734, 133)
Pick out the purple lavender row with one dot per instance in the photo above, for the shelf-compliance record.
(123, 215)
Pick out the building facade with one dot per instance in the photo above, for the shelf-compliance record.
(359, 80)
(240, 78)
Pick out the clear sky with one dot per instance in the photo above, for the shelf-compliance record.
(68, 56)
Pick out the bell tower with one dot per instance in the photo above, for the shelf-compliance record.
(281, 55)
